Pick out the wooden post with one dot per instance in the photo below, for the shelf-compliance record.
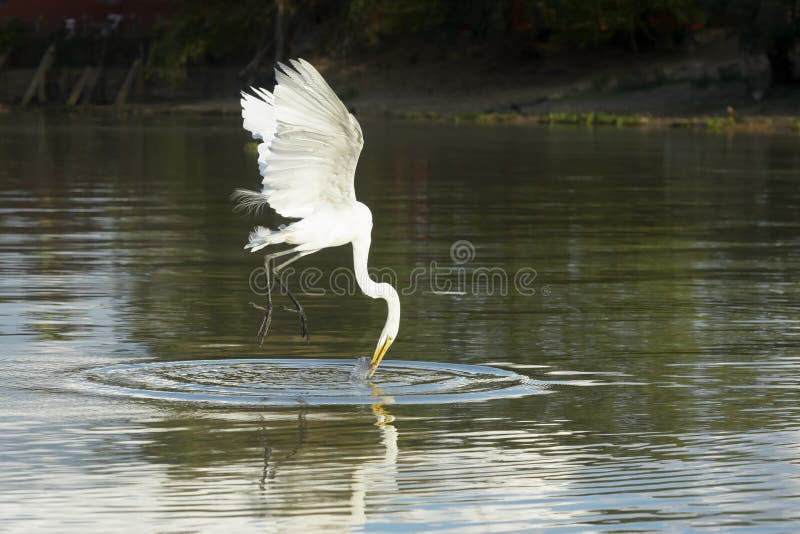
(77, 89)
(4, 58)
(122, 95)
(37, 84)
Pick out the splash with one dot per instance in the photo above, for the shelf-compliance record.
(360, 371)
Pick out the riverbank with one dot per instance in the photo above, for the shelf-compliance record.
(734, 122)
(729, 122)
(714, 87)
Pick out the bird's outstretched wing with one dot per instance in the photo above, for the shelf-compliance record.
(309, 145)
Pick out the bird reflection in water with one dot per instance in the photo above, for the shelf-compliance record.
(268, 471)
(379, 475)
(376, 476)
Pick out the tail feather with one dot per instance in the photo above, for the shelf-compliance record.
(249, 201)
(262, 237)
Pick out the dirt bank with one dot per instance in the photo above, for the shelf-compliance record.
(714, 85)
(715, 79)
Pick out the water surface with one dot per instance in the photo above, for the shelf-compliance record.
(660, 305)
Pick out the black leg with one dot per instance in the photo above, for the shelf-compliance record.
(264, 328)
(298, 309)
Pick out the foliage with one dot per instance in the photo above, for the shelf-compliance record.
(209, 31)
(633, 22)
(375, 18)
(773, 27)
(11, 34)
(221, 32)
(763, 24)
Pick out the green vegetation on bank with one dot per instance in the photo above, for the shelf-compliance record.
(599, 120)
(728, 123)
(593, 119)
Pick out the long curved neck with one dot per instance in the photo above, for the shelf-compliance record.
(360, 264)
(371, 288)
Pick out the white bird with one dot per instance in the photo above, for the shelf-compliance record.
(308, 153)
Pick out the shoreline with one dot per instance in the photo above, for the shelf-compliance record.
(732, 122)
(711, 123)
(710, 85)
(716, 88)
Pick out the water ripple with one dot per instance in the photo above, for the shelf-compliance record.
(292, 382)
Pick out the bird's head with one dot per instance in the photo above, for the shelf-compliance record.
(390, 329)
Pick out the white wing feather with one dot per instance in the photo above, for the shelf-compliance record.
(309, 145)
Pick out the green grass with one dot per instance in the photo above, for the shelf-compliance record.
(459, 118)
(560, 118)
(715, 124)
(727, 123)
(593, 119)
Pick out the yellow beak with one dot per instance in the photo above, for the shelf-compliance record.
(380, 352)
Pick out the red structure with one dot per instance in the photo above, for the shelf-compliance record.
(87, 16)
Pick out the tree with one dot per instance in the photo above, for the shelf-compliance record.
(772, 26)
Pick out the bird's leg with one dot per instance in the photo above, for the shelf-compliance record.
(264, 328)
(298, 309)
(262, 331)
(265, 323)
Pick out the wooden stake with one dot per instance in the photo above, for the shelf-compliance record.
(37, 84)
(77, 89)
(122, 95)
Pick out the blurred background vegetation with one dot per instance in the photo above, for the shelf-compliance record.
(245, 32)
(252, 34)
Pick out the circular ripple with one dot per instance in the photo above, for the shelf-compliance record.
(284, 382)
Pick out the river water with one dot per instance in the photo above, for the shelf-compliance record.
(600, 332)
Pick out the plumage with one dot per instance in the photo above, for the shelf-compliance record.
(307, 157)
(310, 143)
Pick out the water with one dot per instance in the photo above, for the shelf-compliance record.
(305, 382)
(654, 316)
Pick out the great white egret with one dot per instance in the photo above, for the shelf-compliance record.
(308, 153)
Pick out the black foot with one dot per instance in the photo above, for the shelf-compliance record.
(303, 320)
(298, 309)
(264, 328)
